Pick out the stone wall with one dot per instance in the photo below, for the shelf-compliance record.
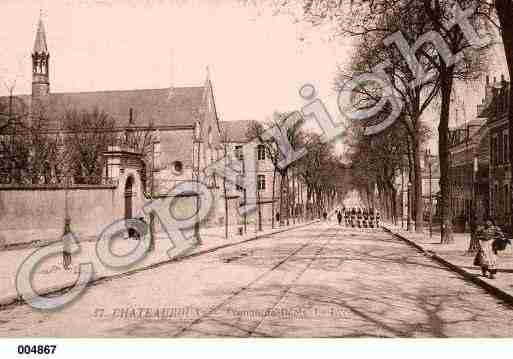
(37, 214)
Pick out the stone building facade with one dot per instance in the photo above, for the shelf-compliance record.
(469, 170)
(183, 123)
(495, 109)
(186, 138)
(480, 157)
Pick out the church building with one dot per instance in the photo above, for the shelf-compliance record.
(182, 120)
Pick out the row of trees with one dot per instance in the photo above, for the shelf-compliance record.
(319, 172)
(374, 25)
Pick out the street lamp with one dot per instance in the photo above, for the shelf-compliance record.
(474, 242)
(155, 166)
(473, 175)
(474, 181)
(66, 253)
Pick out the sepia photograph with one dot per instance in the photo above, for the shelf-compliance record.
(301, 169)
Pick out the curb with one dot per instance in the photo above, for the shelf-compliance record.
(497, 292)
(12, 300)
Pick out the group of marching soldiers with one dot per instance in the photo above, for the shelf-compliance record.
(359, 217)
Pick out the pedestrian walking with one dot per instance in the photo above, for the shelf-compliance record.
(339, 217)
(486, 257)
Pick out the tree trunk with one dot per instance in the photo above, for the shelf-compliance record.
(393, 196)
(293, 198)
(272, 204)
(308, 202)
(408, 188)
(418, 204)
(259, 204)
(446, 84)
(225, 197)
(281, 199)
(287, 186)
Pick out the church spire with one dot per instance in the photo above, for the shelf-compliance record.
(40, 46)
(40, 67)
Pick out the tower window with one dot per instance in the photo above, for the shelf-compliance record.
(238, 152)
(261, 152)
(261, 182)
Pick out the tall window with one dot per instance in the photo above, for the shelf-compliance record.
(238, 152)
(500, 151)
(261, 152)
(209, 139)
(506, 199)
(261, 182)
(495, 205)
(491, 151)
(238, 184)
(496, 150)
(506, 147)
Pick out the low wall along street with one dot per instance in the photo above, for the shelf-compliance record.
(37, 214)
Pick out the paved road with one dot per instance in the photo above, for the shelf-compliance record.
(320, 281)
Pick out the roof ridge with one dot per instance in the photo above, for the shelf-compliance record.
(127, 90)
(109, 91)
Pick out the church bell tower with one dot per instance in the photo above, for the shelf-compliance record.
(40, 66)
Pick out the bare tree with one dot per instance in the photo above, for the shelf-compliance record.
(30, 154)
(89, 133)
(440, 16)
(279, 122)
(372, 49)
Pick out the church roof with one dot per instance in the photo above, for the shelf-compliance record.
(40, 42)
(236, 131)
(181, 107)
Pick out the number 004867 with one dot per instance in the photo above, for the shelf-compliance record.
(36, 349)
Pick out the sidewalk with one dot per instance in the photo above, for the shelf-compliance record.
(50, 276)
(455, 256)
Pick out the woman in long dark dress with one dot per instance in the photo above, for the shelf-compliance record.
(486, 236)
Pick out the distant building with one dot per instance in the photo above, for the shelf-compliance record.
(494, 110)
(468, 153)
(235, 135)
(430, 190)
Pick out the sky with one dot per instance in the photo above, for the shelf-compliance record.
(257, 59)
